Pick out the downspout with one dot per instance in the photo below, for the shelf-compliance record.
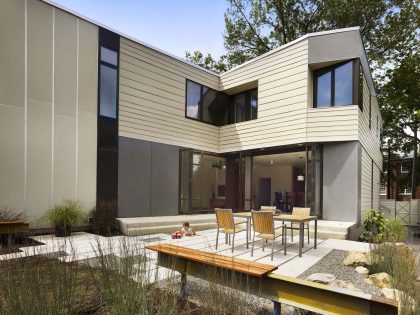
(414, 168)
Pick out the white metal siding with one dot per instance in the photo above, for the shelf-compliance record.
(366, 183)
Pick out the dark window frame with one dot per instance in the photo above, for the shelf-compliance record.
(228, 104)
(115, 67)
(356, 99)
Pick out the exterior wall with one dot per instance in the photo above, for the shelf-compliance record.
(152, 99)
(47, 108)
(282, 100)
(341, 181)
(148, 178)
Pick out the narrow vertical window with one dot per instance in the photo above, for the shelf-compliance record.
(343, 94)
(323, 90)
(193, 100)
(108, 83)
(254, 104)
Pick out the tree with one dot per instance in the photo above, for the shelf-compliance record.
(389, 27)
(207, 62)
(400, 99)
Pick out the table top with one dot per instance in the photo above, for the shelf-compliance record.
(279, 217)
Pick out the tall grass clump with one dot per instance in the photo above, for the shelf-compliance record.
(399, 262)
(395, 231)
(104, 218)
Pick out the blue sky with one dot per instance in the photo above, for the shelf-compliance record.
(173, 26)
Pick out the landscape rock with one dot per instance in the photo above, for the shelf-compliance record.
(362, 270)
(324, 278)
(381, 280)
(400, 297)
(345, 285)
(355, 258)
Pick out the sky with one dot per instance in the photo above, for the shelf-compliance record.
(173, 26)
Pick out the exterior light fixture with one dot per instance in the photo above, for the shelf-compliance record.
(301, 178)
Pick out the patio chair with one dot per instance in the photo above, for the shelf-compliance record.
(226, 224)
(268, 209)
(295, 226)
(264, 225)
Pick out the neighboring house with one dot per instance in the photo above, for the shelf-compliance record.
(88, 113)
(400, 180)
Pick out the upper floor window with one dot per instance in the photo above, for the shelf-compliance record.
(404, 168)
(382, 190)
(216, 108)
(108, 82)
(405, 189)
(337, 85)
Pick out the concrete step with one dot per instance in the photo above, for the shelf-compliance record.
(169, 224)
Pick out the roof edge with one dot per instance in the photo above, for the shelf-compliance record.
(340, 30)
(81, 16)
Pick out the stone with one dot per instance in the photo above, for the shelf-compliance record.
(355, 258)
(362, 271)
(381, 280)
(344, 285)
(400, 297)
(324, 278)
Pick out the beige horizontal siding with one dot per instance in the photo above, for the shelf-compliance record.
(366, 179)
(282, 101)
(152, 99)
(370, 137)
(332, 124)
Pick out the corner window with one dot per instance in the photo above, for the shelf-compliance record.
(217, 108)
(108, 83)
(243, 106)
(335, 86)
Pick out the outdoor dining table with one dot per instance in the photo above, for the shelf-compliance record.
(284, 218)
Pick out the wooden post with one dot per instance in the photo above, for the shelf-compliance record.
(277, 308)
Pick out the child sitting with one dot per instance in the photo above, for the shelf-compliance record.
(185, 230)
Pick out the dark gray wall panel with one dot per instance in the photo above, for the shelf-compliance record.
(134, 175)
(341, 181)
(165, 180)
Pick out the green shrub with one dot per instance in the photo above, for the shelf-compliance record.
(395, 231)
(373, 227)
(67, 213)
(103, 218)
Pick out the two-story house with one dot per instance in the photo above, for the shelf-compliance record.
(89, 113)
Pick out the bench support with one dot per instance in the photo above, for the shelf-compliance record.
(299, 293)
(277, 308)
(183, 290)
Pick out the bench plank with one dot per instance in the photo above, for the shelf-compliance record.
(217, 260)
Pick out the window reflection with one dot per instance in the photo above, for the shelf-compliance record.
(108, 92)
(193, 99)
(323, 92)
(343, 84)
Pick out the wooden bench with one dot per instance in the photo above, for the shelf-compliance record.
(216, 260)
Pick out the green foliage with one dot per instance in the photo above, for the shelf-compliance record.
(395, 231)
(103, 218)
(373, 225)
(67, 213)
(207, 62)
(253, 27)
(7, 215)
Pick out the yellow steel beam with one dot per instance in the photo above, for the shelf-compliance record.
(296, 292)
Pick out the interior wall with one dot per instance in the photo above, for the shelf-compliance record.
(210, 179)
(281, 179)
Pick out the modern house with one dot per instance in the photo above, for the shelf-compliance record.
(91, 114)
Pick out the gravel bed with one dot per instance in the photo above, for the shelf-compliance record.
(332, 263)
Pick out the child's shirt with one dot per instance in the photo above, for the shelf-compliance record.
(187, 231)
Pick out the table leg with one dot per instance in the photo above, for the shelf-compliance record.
(247, 231)
(300, 238)
(316, 232)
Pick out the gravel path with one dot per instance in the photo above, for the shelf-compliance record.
(332, 263)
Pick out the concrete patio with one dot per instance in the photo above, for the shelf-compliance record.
(84, 246)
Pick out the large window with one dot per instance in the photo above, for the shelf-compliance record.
(108, 83)
(337, 85)
(217, 108)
